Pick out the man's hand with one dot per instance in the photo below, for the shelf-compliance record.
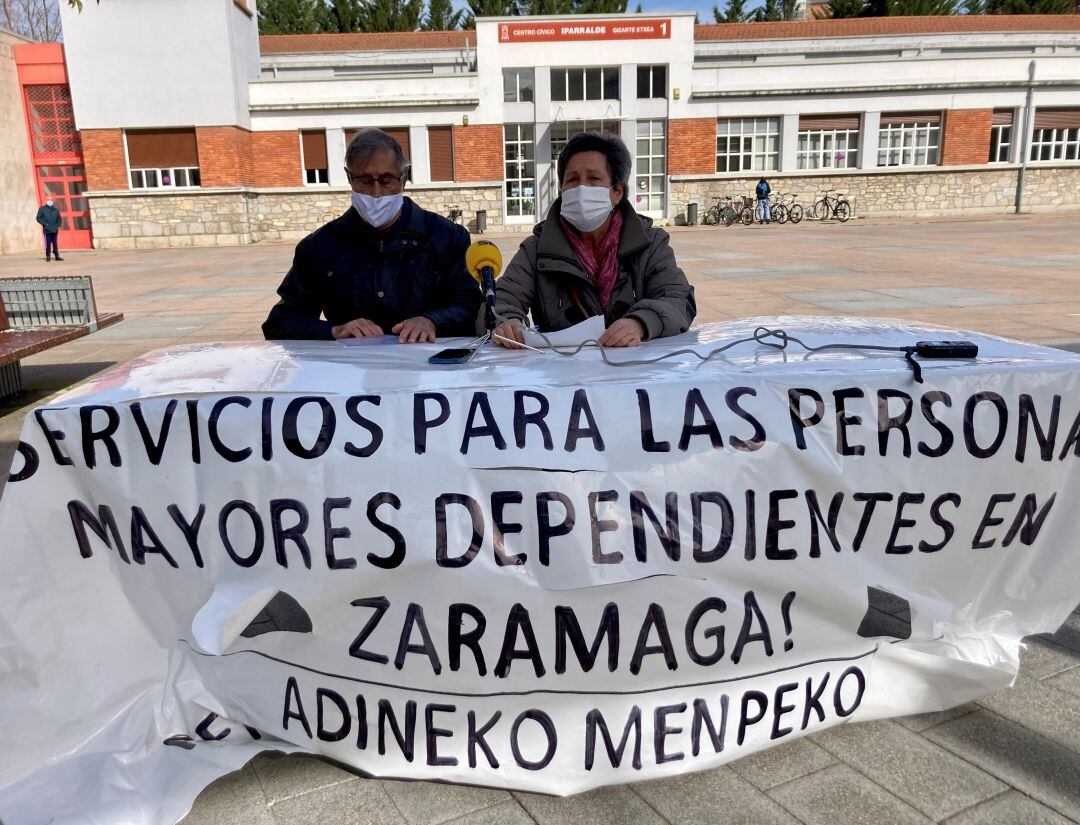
(510, 332)
(416, 330)
(626, 332)
(357, 328)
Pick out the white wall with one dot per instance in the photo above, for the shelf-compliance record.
(145, 63)
(676, 52)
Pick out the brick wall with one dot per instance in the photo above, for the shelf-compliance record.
(966, 141)
(103, 156)
(224, 156)
(478, 153)
(692, 146)
(275, 158)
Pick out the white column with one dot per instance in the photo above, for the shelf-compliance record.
(545, 169)
(868, 140)
(335, 157)
(420, 158)
(1020, 139)
(542, 139)
(789, 143)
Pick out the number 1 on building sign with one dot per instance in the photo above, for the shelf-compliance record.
(663, 28)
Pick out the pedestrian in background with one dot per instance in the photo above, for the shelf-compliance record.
(49, 218)
(764, 213)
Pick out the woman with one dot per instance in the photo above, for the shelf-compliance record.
(594, 255)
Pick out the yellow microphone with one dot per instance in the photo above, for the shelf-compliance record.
(484, 262)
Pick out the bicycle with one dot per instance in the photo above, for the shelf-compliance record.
(727, 210)
(835, 207)
(787, 210)
(777, 210)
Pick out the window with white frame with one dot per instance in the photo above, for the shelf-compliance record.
(651, 81)
(909, 139)
(518, 85)
(747, 144)
(520, 169)
(162, 158)
(651, 166)
(313, 152)
(1056, 134)
(594, 83)
(561, 131)
(828, 142)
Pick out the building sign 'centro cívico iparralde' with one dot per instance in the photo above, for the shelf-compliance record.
(587, 30)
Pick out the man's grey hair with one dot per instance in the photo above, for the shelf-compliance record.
(368, 142)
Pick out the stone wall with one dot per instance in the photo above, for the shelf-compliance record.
(197, 217)
(18, 192)
(179, 218)
(883, 194)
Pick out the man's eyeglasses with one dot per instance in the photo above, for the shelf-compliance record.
(386, 182)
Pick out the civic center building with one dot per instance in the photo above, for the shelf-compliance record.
(174, 123)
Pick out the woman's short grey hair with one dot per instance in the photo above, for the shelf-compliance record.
(368, 142)
(612, 148)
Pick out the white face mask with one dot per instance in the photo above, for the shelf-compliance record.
(48, 203)
(377, 211)
(586, 207)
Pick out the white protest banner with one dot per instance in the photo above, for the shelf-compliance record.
(530, 571)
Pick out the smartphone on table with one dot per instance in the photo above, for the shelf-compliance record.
(453, 356)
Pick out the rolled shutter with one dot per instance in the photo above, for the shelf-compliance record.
(314, 149)
(1003, 117)
(1057, 118)
(441, 152)
(401, 135)
(897, 118)
(162, 148)
(398, 133)
(813, 123)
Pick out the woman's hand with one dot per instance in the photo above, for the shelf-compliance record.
(626, 332)
(509, 335)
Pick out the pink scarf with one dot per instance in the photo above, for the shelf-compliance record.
(600, 264)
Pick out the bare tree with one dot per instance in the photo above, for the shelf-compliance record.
(37, 20)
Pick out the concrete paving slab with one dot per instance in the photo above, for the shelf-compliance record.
(841, 794)
(924, 721)
(428, 803)
(508, 813)
(925, 776)
(1041, 708)
(1043, 658)
(283, 776)
(1022, 758)
(1068, 682)
(1010, 808)
(236, 797)
(710, 797)
(856, 301)
(775, 766)
(947, 296)
(363, 802)
(605, 806)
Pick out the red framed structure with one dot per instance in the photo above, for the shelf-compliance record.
(55, 147)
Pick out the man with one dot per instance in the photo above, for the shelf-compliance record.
(384, 267)
(49, 218)
(763, 210)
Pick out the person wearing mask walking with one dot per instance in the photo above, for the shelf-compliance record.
(49, 218)
(764, 214)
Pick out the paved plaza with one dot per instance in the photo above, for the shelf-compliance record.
(1013, 758)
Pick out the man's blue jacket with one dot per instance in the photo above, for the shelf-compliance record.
(347, 269)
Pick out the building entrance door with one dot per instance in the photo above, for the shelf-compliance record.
(58, 162)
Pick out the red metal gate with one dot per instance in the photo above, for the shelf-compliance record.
(58, 162)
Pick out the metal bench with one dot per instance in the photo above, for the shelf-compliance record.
(37, 314)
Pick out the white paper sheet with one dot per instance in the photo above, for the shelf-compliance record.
(587, 330)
